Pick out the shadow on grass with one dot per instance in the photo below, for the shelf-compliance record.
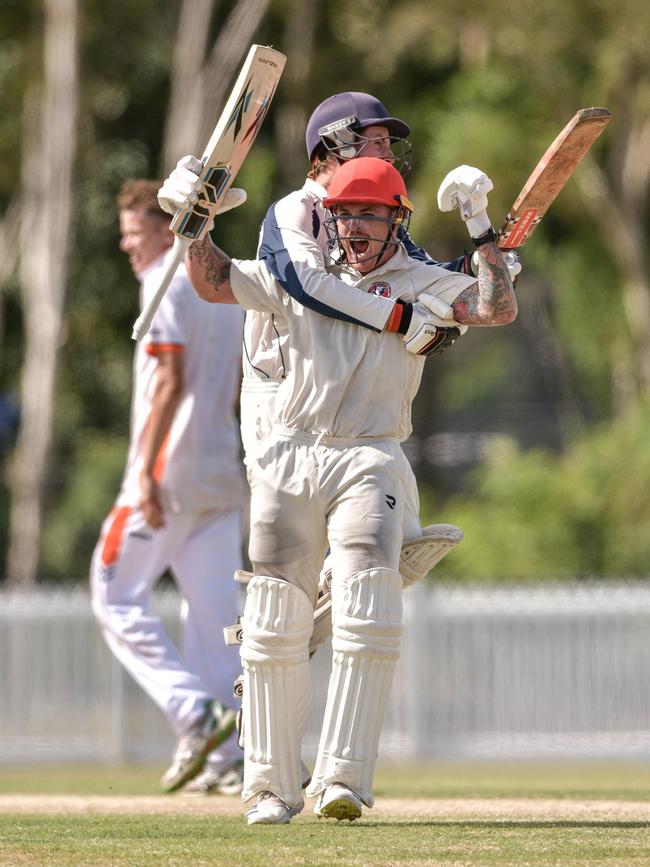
(493, 824)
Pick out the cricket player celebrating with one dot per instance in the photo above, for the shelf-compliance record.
(179, 507)
(332, 474)
(294, 244)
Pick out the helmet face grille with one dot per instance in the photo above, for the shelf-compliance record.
(348, 243)
(364, 239)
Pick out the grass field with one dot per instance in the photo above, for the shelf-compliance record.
(485, 814)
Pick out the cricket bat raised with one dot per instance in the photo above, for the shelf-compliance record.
(224, 154)
(550, 174)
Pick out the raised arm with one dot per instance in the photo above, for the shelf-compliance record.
(491, 300)
(208, 268)
(292, 249)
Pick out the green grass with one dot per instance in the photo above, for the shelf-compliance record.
(177, 840)
(627, 781)
(200, 840)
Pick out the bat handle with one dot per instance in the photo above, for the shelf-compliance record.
(143, 322)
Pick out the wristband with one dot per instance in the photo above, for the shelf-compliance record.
(485, 238)
(400, 317)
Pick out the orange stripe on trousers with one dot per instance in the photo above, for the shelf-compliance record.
(113, 541)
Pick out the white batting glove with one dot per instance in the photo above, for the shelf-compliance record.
(183, 187)
(436, 305)
(440, 313)
(466, 188)
(428, 333)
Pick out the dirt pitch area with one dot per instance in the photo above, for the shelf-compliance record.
(479, 809)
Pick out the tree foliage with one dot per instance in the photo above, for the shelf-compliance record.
(489, 86)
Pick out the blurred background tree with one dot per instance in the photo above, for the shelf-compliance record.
(531, 437)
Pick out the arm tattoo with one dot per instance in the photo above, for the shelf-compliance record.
(491, 300)
(213, 263)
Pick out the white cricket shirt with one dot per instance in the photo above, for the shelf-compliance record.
(342, 380)
(294, 242)
(198, 466)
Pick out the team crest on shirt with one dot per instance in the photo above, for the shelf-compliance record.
(380, 288)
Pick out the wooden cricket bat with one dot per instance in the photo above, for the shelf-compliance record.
(550, 174)
(229, 144)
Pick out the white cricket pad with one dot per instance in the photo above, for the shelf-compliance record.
(419, 556)
(322, 621)
(277, 624)
(367, 628)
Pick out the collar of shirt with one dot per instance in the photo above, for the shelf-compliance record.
(314, 188)
(157, 262)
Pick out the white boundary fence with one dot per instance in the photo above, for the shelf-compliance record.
(561, 671)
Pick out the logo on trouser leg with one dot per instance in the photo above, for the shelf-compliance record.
(391, 502)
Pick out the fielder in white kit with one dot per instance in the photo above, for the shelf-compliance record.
(332, 473)
(179, 507)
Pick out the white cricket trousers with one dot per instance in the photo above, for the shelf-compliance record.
(256, 414)
(309, 492)
(202, 551)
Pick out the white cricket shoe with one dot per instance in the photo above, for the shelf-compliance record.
(211, 782)
(338, 802)
(271, 810)
(193, 748)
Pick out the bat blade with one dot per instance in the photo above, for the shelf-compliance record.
(233, 136)
(230, 142)
(550, 174)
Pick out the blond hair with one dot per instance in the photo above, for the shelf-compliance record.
(140, 194)
(321, 162)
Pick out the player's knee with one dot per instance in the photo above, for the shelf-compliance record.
(367, 613)
(277, 622)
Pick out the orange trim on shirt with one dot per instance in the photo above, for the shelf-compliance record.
(159, 348)
(395, 318)
(114, 535)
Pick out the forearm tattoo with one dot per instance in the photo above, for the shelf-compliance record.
(213, 264)
(491, 300)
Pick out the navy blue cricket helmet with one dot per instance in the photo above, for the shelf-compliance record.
(341, 116)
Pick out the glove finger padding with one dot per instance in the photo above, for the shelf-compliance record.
(427, 333)
(465, 188)
(436, 305)
(181, 189)
(191, 163)
(424, 307)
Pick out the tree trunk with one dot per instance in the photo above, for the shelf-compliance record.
(618, 207)
(200, 86)
(226, 58)
(9, 238)
(186, 99)
(290, 116)
(47, 197)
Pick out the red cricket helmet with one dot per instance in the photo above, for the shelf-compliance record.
(368, 180)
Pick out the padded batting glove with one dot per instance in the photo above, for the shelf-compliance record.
(466, 188)
(182, 189)
(422, 331)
